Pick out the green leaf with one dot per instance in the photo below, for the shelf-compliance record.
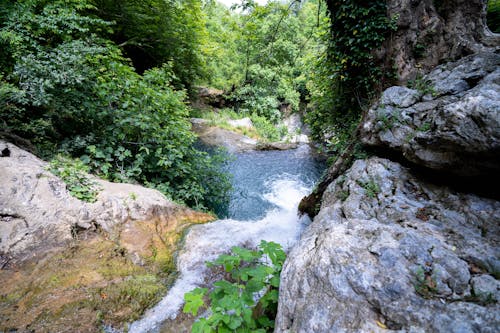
(194, 300)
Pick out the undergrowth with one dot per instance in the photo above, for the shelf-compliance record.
(75, 174)
(247, 300)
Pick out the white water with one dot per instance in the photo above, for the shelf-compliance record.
(203, 243)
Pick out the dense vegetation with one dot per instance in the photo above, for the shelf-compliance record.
(107, 82)
(347, 77)
(247, 301)
(67, 88)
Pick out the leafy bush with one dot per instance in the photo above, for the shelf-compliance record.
(267, 130)
(493, 15)
(71, 90)
(74, 173)
(248, 301)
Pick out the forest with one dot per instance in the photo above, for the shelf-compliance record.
(104, 86)
(110, 88)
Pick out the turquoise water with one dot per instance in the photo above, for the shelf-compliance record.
(253, 175)
(268, 186)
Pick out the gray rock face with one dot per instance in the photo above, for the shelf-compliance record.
(390, 251)
(430, 32)
(452, 122)
(37, 212)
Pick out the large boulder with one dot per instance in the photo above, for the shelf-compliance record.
(37, 212)
(449, 121)
(71, 266)
(219, 137)
(391, 251)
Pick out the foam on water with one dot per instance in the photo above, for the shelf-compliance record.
(203, 243)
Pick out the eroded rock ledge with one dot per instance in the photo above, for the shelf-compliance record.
(388, 250)
(451, 122)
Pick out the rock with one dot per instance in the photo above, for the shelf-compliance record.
(400, 96)
(37, 213)
(243, 122)
(432, 32)
(215, 136)
(210, 97)
(297, 130)
(486, 288)
(391, 251)
(276, 145)
(70, 265)
(452, 124)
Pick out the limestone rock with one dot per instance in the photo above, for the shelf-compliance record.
(243, 122)
(215, 136)
(432, 32)
(297, 131)
(37, 212)
(391, 251)
(276, 146)
(452, 122)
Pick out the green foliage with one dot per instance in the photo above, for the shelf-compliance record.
(425, 282)
(493, 15)
(346, 76)
(70, 90)
(248, 301)
(425, 127)
(263, 130)
(153, 32)
(425, 87)
(372, 188)
(74, 173)
(267, 130)
(258, 54)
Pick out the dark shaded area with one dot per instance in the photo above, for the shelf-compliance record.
(493, 16)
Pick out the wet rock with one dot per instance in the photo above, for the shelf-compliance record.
(391, 251)
(297, 131)
(276, 145)
(219, 137)
(451, 123)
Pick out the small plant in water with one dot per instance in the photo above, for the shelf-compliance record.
(248, 300)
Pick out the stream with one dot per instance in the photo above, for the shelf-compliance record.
(267, 188)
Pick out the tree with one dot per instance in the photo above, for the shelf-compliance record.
(69, 90)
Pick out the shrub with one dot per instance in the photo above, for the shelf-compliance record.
(248, 301)
(74, 173)
(71, 91)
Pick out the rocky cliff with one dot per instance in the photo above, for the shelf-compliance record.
(431, 32)
(391, 248)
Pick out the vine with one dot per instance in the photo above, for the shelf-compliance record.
(347, 75)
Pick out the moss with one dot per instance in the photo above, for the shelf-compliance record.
(93, 280)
